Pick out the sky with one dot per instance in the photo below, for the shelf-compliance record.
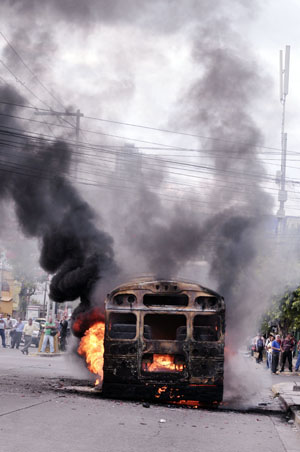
(139, 65)
(132, 71)
(135, 74)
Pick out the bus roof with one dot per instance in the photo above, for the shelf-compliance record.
(155, 284)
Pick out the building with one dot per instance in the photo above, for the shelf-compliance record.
(10, 289)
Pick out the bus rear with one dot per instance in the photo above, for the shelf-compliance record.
(164, 341)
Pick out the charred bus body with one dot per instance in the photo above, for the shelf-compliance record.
(164, 340)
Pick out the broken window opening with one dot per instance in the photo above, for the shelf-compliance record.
(163, 363)
(167, 300)
(207, 302)
(206, 327)
(164, 327)
(122, 326)
(124, 298)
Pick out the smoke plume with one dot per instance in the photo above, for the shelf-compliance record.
(216, 229)
(35, 174)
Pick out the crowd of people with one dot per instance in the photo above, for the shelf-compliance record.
(14, 332)
(279, 351)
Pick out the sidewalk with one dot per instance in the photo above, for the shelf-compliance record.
(289, 397)
(282, 388)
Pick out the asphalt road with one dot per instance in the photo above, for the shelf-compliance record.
(37, 415)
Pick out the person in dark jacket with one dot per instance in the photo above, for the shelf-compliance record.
(63, 333)
(260, 345)
(287, 347)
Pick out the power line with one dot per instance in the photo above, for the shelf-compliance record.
(123, 155)
(30, 70)
(214, 181)
(92, 183)
(183, 164)
(192, 167)
(18, 80)
(162, 130)
(177, 132)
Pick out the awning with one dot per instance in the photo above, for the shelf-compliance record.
(6, 299)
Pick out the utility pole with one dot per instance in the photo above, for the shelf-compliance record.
(77, 115)
(45, 294)
(284, 89)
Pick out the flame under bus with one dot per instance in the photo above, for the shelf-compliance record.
(164, 340)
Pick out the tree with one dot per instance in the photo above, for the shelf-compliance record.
(27, 290)
(284, 313)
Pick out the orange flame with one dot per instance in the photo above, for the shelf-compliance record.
(163, 363)
(92, 348)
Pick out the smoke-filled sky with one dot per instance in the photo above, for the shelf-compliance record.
(195, 203)
(130, 61)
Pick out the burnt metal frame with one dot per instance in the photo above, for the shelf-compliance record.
(201, 380)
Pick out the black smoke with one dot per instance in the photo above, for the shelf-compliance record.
(36, 174)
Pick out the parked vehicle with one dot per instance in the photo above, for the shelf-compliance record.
(41, 321)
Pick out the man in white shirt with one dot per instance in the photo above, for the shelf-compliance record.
(8, 329)
(28, 332)
(2, 330)
(269, 350)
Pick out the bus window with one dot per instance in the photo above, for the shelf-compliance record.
(207, 302)
(122, 326)
(122, 299)
(206, 327)
(164, 327)
(167, 300)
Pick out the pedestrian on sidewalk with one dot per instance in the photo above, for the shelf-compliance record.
(16, 338)
(28, 332)
(2, 330)
(286, 349)
(294, 351)
(260, 345)
(275, 353)
(63, 333)
(8, 329)
(50, 329)
(298, 359)
(269, 350)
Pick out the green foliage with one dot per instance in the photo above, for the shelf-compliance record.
(283, 313)
(27, 290)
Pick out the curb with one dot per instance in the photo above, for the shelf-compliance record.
(287, 402)
(296, 415)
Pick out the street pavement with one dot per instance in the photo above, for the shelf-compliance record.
(37, 414)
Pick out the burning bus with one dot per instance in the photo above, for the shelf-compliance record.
(164, 339)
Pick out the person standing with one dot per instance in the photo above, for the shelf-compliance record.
(286, 348)
(16, 339)
(28, 332)
(297, 365)
(63, 333)
(269, 350)
(50, 327)
(8, 329)
(294, 342)
(275, 353)
(260, 343)
(2, 330)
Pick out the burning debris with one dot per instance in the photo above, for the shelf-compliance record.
(162, 363)
(92, 348)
